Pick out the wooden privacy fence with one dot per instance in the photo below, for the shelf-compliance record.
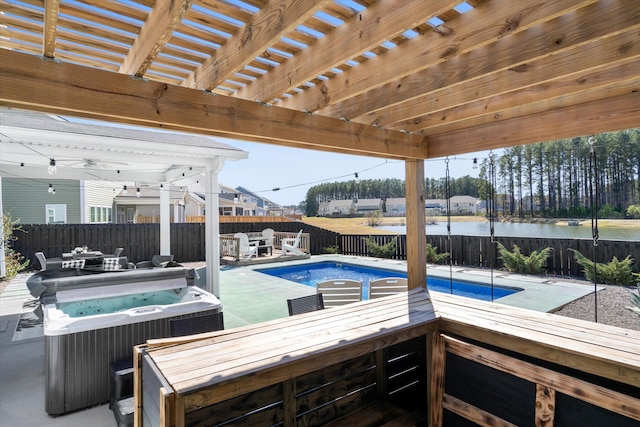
(142, 241)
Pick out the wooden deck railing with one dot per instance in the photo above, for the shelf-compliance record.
(403, 357)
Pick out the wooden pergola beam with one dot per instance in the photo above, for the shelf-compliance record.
(29, 82)
(156, 32)
(471, 77)
(373, 27)
(590, 86)
(616, 113)
(51, 9)
(468, 32)
(271, 23)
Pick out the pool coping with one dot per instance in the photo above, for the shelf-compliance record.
(540, 293)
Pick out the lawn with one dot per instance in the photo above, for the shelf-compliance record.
(360, 225)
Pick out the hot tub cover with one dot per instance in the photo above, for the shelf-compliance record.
(47, 283)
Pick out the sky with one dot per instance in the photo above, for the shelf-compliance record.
(295, 170)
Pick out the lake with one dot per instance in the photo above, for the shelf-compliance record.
(510, 229)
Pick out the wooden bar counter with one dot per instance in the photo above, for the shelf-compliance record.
(308, 369)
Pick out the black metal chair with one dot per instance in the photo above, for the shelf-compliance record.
(196, 325)
(305, 304)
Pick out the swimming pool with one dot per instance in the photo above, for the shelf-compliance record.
(309, 274)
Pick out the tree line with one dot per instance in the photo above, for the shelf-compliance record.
(562, 178)
(566, 178)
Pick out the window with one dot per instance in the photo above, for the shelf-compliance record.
(100, 214)
(56, 214)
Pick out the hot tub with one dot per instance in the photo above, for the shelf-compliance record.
(88, 328)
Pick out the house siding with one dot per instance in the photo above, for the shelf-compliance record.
(25, 199)
(99, 194)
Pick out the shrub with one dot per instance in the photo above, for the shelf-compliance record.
(517, 262)
(633, 211)
(635, 298)
(374, 219)
(434, 257)
(388, 250)
(333, 249)
(615, 272)
(14, 261)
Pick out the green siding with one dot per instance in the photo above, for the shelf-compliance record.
(25, 199)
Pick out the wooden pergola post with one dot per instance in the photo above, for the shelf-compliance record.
(416, 232)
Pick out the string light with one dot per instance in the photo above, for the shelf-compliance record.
(475, 163)
(137, 192)
(50, 189)
(21, 166)
(125, 191)
(52, 166)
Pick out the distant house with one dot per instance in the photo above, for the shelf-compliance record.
(341, 207)
(141, 204)
(463, 205)
(395, 206)
(323, 209)
(58, 201)
(368, 206)
(234, 202)
(262, 205)
(435, 207)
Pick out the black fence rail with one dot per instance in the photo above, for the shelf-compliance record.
(478, 251)
(142, 241)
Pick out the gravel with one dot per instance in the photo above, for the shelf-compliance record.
(612, 303)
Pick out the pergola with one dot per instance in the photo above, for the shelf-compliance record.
(404, 79)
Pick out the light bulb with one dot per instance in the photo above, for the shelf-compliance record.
(50, 189)
(475, 163)
(21, 166)
(125, 191)
(54, 191)
(52, 166)
(137, 192)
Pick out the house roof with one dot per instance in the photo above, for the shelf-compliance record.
(100, 152)
(393, 201)
(340, 204)
(350, 76)
(463, 199)
(368, 202)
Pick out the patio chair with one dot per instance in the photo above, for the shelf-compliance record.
(336, 292)
(247, 250)
(305, 304)
(387, 286)
(42, 260)
(267, 236)
(196, 324)
(116, 253)
(290, 245)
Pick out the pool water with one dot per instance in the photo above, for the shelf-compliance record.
(309, 274)
(115, 304)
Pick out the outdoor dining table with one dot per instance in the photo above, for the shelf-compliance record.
(81, 255)
(263, 248)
